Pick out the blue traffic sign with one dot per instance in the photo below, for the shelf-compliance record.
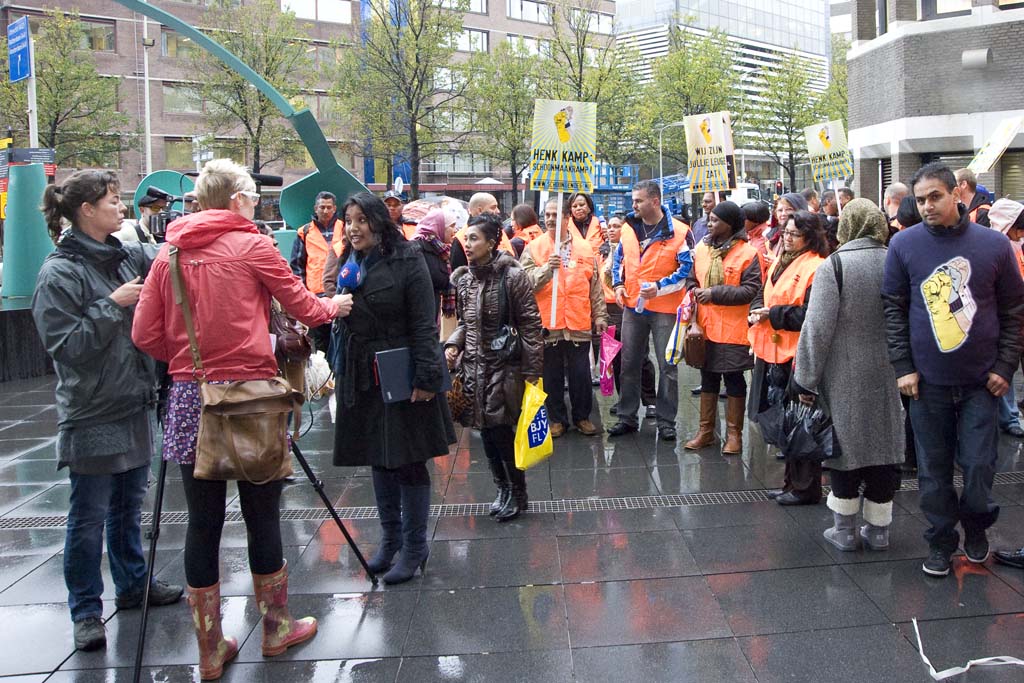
(18, 54)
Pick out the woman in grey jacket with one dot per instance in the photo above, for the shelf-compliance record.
(83, 305)
(842, 358)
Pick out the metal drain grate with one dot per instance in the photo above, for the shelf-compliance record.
(481, 509)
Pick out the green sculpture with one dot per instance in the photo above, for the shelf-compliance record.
(26, 240)
(298, 198)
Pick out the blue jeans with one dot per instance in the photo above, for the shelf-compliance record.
(114, 501)
(955, 425)
(1009, 415)
(637, 329)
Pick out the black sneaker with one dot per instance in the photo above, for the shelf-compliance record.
(160, 594)
(90, 634)
(937, 563)
(976, 546)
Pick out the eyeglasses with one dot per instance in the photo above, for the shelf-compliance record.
(792, 233)
(251, 196)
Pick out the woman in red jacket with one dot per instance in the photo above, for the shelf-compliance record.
(230, 273)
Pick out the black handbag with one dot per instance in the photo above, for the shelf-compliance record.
(507, 344)
(808, 431)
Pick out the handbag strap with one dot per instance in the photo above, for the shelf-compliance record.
(503, 303)
(181, 298)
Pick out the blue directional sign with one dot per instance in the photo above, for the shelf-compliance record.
(18, 50)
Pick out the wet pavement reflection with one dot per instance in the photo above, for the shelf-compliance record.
(626, 584)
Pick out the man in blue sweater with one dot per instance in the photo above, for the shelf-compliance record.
(953, 299)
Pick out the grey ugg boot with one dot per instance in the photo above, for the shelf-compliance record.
(876, 532)
(843, 533)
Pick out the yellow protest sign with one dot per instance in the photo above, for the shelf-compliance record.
(828, 151)
(989, 154)
(708, 151)
(562, 150)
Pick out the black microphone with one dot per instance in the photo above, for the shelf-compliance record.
(260, 178)
(268, 180)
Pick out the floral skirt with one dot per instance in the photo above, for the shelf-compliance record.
(181, 426)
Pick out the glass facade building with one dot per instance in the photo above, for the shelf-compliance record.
(794, 24)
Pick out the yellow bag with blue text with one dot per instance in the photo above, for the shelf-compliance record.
(533, 433)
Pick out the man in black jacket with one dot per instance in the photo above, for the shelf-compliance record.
(953, 304)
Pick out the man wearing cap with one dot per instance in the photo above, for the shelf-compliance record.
(394, 202)
(309, 254)
(139, 230)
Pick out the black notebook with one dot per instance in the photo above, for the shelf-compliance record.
(395, 374)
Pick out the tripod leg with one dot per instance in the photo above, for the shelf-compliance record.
(153, 534)
(319, 486)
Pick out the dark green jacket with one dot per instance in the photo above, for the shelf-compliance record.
(101, 376)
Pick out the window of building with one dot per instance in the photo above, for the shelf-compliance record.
(936, 9)
(1011, 4)
(537, 47)
(98, 36)
(178, 154)
(334, 11)
(463, 164)
(181, 99)
(176, 46)
(475, 6)
(327, 55)
(602, 23)
(472, 40)
(528, 10)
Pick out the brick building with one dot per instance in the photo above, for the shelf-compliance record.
(930, 80)
(115, 37)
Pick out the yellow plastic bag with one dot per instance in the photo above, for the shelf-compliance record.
(533, 433)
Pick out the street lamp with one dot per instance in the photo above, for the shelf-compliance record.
(661, 166)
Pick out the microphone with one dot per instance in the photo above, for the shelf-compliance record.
(349, 277)
(260, 178)
(268, 180)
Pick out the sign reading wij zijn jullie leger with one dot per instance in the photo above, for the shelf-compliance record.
(562, 150)
(828, 151)
(709, 152)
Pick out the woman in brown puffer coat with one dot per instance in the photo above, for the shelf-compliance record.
(495, 386)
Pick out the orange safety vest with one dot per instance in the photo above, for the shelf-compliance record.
(779, 346)
(573, 308)
(505, 245)
(973, 215)
(316, 253)
(659, 260)
(593, 236)
(529, 234)
(408, 229)
(724, 324)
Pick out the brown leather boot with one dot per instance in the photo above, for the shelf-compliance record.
(734, 407)
(708, 417)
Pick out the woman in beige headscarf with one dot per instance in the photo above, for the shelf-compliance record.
(842, 360)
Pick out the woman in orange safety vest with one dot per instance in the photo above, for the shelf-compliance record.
(776, 315)
(726, 277)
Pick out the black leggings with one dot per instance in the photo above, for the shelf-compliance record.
(499, 443)
(261, 510)
(413, 474)
(880, 482)
(735, 383)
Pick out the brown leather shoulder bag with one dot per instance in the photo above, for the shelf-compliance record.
(243, 426)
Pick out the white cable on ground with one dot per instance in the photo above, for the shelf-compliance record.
(1001, 660)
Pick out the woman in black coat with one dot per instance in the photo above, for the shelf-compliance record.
(393, 307)
(434, 238)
